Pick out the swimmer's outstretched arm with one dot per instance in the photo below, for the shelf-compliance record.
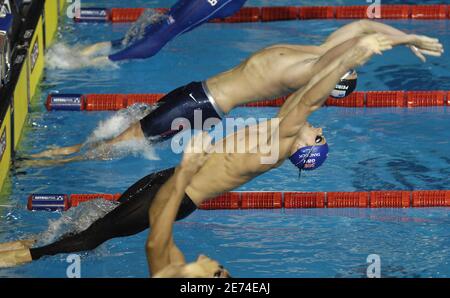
(164, 257)
(161, 249)
(359, 29)
(335, 54)
(366, 27)
(303, 102)
(424, 45)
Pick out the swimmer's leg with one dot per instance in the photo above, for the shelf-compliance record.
(95, 49)
(30, 163)
(58, 151)
(134, 132)
(184, 16)
(129, 218)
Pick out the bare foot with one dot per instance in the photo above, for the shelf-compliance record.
(14, 258)
(16, 245)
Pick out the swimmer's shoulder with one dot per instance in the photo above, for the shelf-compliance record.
(297, 49)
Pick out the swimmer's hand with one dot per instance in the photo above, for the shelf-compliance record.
(205, 267)
(422, 45)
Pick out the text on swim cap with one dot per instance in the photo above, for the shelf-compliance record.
(342, 87)
(310, 155)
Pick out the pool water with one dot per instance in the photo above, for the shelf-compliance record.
(370, 149)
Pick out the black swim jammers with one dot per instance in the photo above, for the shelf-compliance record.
(180, 103)
(129, 218)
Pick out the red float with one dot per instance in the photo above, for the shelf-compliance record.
(245, 15)
(105, 102)
(385, 99)
(261, 200)
(279, 13)
(431, 198)
(304, 200)
(347, 199)
(316, 12)
(425, 98)
(390, 199)
(351, 12)
(429, 11)
(226, 201)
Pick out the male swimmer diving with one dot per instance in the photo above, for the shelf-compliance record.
(272, 72)
(224, 171)
(153, 31)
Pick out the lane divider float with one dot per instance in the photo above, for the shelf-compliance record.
(63, 202)
(360, 99)
(281, 13)
(273, 200)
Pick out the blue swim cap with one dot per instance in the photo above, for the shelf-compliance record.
(310, 158)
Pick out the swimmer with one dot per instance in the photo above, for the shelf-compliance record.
(224, 172)
(154, 30)
(164, 258)
(272, 72)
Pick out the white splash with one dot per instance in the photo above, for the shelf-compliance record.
(113, 127)
(63, 56)
(120, 121)
(76, 220)
(138, 29)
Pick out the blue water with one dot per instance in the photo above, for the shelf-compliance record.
(371, 149)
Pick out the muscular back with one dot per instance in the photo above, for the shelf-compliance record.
(272, 72)
(224, 172)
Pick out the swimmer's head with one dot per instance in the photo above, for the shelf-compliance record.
(346, 85)
(310, 149)
(205, 267)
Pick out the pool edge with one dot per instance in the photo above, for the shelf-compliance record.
(27, 69)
